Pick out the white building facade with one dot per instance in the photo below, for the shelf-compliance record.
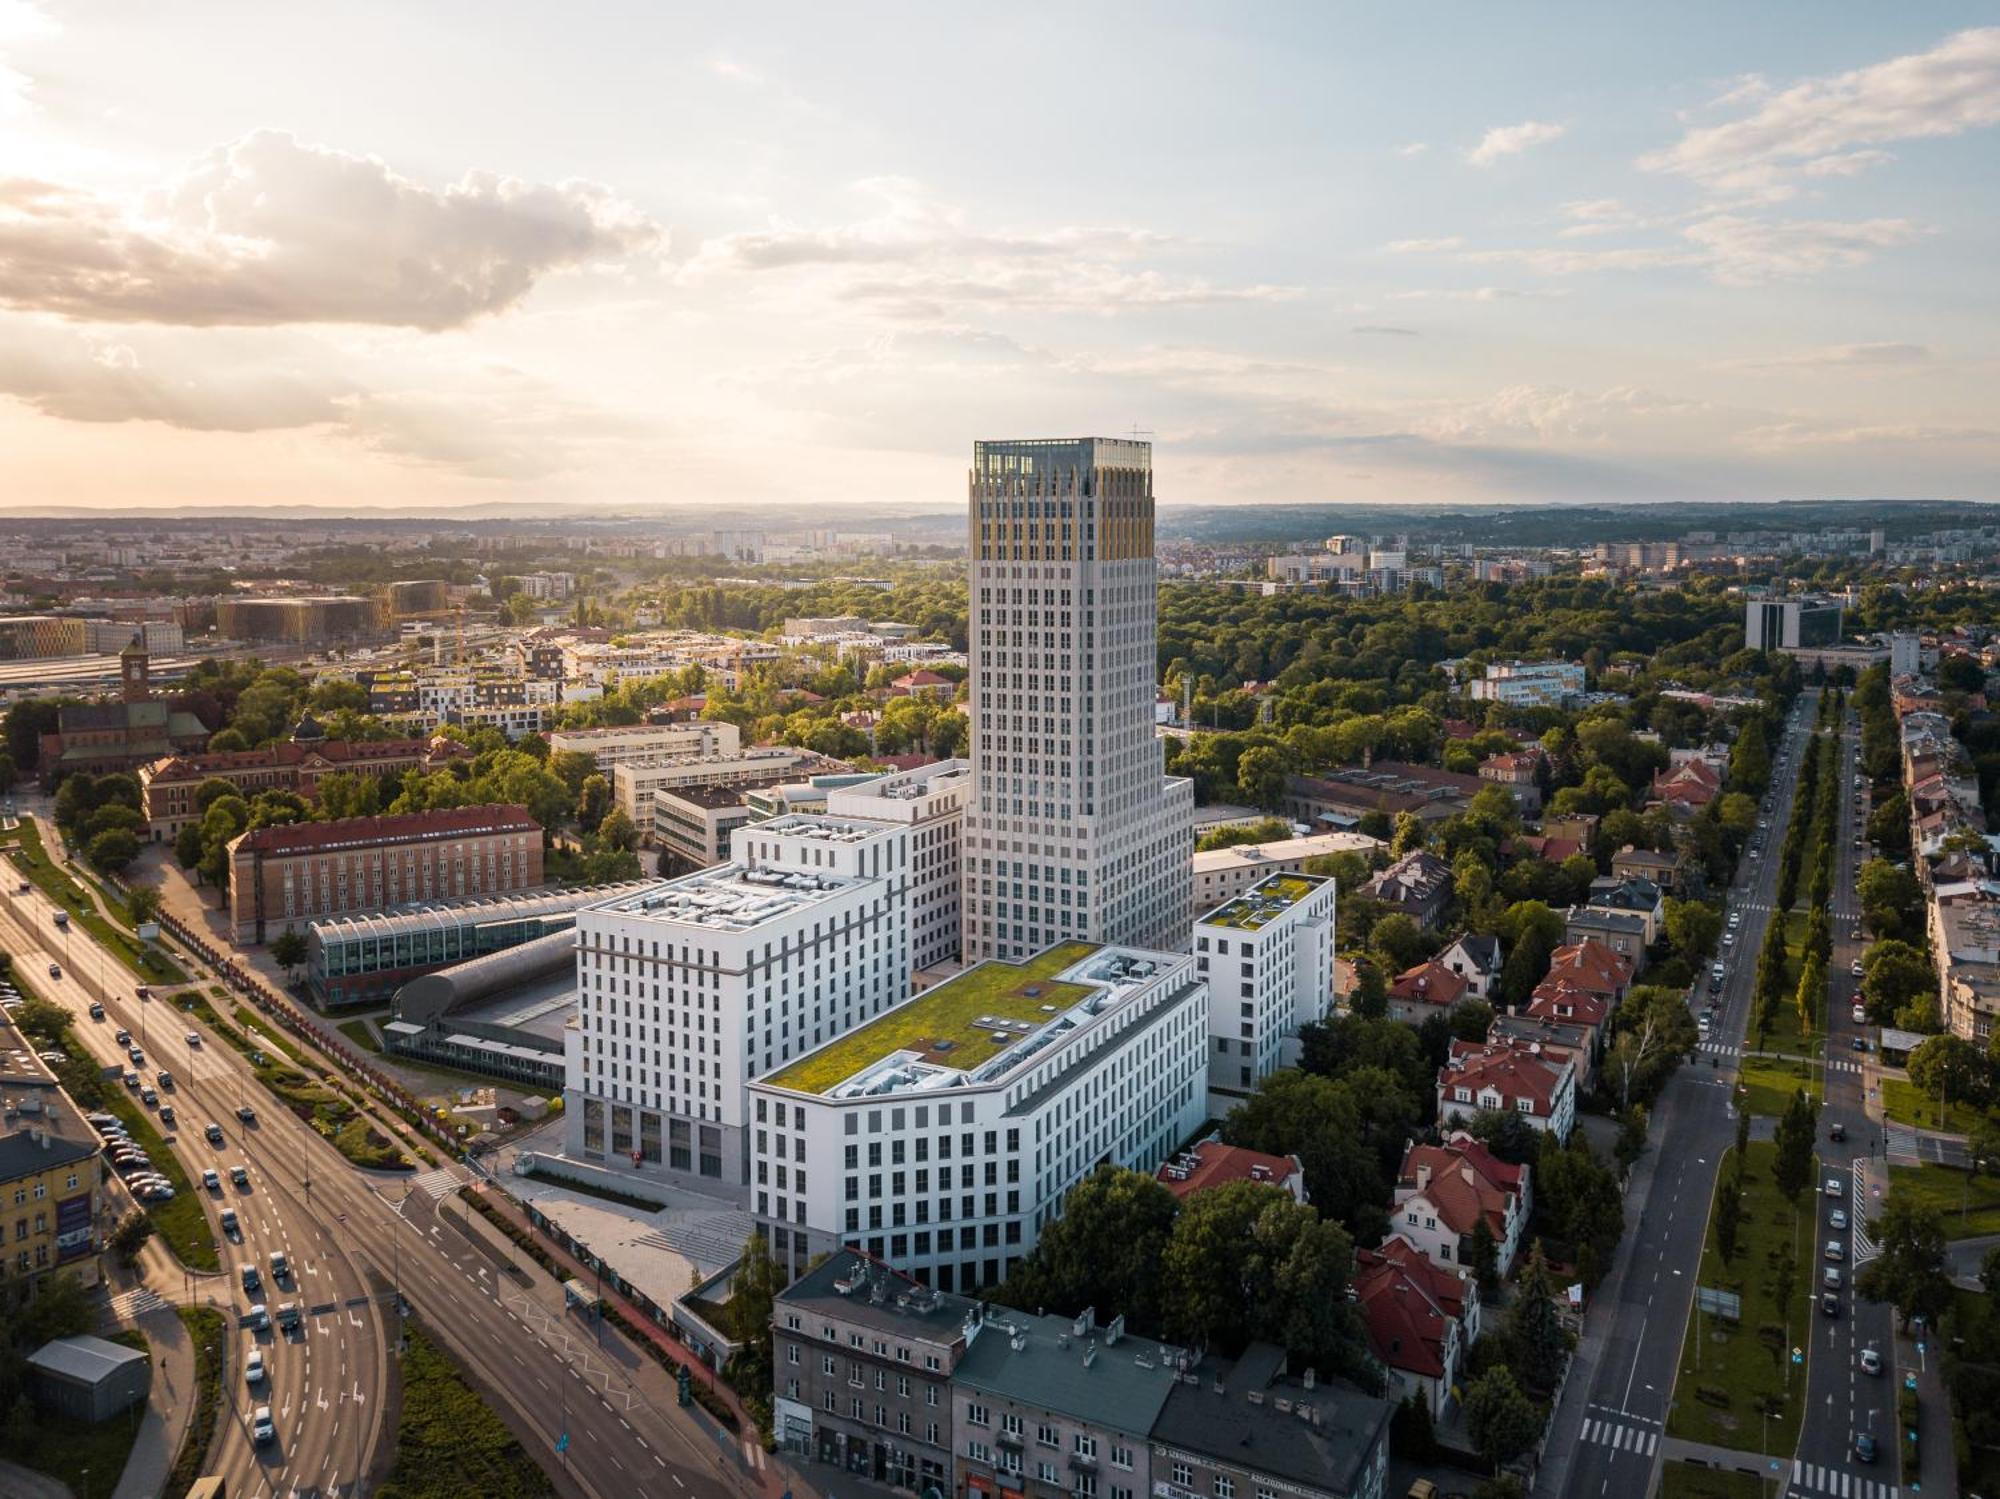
(629, 744)
(1541, 684)
(1074, 831)
(947, 1160)
(931, 800)
(1268, 957)
(690, 988)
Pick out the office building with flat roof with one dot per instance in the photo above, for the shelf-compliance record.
(931, 799)
(634, 783)
(1268, 957)
(943, 1135)
(1074, 832)
(636, 744)
(690, 989)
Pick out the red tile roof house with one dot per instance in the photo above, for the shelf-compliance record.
(1511, 1076)
(1213, 1164)
(1591, 965)
(1443, 1190)
(1421, 1318)
(924, 683)
(1687, 788)
(1428, 989)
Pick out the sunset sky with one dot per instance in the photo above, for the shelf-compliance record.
(433, 253)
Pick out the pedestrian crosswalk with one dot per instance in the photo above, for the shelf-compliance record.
(1620, 1437)
(130, 1305)
(439, 1183)
(1817, 1479)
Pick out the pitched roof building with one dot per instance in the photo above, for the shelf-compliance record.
(1443, 1191)
(1421, 1318)
(1418, 885)
(1214, 1164)
(1512, 1077)
(1428, 989)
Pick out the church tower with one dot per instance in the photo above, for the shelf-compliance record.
(135, 671)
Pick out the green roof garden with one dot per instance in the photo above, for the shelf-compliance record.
(943, 1024)
(1264, 901)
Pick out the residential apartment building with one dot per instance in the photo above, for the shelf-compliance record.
(943, 1135)
(1419, 885)
(48, 1201)
(1515, 1077)
(1422, 1319)
(932, 800)
(1267, 955)
(634, 783)
(1058, 1405)
(1210, 1163)
(862, 1362)
(1221, 873)
(281, 877)
(1251, 1428)
(1443, 1192)
(1074, 832)
(1341, 797)
(691, 989)
(635, 744)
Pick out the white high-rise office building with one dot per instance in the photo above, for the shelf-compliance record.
(1074, 831)
(1268, 957)
(688, 989)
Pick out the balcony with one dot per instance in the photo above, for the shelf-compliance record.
(1008, 1439)
(1083, 1462)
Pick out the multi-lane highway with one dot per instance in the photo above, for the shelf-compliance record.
(1617, 1420)
(319, 1376)
(351, 1237)
(1844, 1402)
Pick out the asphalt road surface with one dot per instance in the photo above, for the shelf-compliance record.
(352, 1236)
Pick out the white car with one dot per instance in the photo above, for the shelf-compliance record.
(212, 1179)
(1871, 1361)
(1834, 1250)
(1860, 1014)
(262, 1427)
(253, 1367)
(194, 1038)
(1855, 968)
(1836, 1219)
(1835, 1187)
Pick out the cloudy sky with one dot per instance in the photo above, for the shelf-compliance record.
(441, 253)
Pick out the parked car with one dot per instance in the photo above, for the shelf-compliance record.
(1860, 1013)
(1835, 1187)
(1830, 1278)
(1835, 1250)
(1836, 1219)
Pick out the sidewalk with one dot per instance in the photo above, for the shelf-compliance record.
(170, 1406)
(1680, 1450)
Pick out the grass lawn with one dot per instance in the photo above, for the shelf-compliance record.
(1770, 1083)
(68, 1449)
(1906, 1103)
(1784, 1034)
(942, 1023)
(448, 1443)
(1744, 1368)
(205, 1330)
(1951, 1193)
(264, 1036)
(362, 1034)
(1686, 1481)
(143, 959)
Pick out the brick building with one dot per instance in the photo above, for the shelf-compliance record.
(167, 786)
(282, 877)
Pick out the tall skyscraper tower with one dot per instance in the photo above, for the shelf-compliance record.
(1073, 831)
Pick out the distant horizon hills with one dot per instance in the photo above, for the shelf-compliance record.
(1500, 523)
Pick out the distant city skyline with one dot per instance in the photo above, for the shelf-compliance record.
(683, 256)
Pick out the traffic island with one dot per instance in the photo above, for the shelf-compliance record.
(1742, 1377)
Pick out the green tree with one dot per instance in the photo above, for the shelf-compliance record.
(130, 1236)
(143, 902)
(1260, 777)
(1247, 1263)
(1946, 1067)
(1324, 1122)
(1105, 1250)
(1798, 1129)
(1908, 1271)
(1693, 927)
(1728, 1211)
(1499, 1417)
(1409, 834)
(617, 830)
(288, 949)
(594, 801)
(1483, 1255)
(113, 850)
(1537, 1345)
(1893, 975)
(1400, 941)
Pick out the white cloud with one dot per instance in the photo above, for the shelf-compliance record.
(1847, 163)
(269, 231)
(1810, 434)
(1383, 328)
(20, 20)
(920, 257)
(1474, 294)
(1738, 250)
(1950, 89)
(1511, 140)
(1413, 148)
(1425, 246)
(1843, 356)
